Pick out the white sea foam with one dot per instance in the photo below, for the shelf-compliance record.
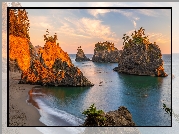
(55, 117)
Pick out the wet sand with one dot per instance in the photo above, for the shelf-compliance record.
(20, 112)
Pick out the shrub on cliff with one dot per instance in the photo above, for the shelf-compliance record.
(104, 46)
(19, 23)
(140, 57)
(94, 117)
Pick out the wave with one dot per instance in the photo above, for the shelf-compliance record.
(55, 117)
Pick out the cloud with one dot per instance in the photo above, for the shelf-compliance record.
(87, 28)
(40, 22)
(148, 12)
(135, 24)
(159, 38)
(96, 12)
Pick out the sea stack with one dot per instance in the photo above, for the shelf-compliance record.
(80, 56)
(53, 67)
(106, 52)
(140, 57)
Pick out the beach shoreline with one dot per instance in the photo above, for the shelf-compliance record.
(20, 112)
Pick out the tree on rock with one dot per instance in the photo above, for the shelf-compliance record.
(139, 56)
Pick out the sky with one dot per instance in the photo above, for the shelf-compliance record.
(85, 27)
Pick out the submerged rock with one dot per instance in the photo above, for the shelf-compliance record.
(54, 68)
(106, 52)
(80, 56)
(140, 57)
(120, 117)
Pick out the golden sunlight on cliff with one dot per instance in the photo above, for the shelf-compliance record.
(43, 73)
(51, 51)
(19, 50)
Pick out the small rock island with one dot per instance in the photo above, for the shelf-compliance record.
(106, 52)
(140, 57)
(80, 56)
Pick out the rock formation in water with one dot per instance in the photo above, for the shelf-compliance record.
(106, 52)
(53, 67)
(140, 57)
(80, 56)
(120, 117)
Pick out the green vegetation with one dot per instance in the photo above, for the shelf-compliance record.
(19, 23)
(138, 37)
(104, 46)
(168, 110)
(94, 116)
(50, 38)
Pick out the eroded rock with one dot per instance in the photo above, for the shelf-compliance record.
(106, 52)
(54, 68)
(80, 56)
(140, 57)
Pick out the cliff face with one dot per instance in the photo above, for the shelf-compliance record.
(80, 56)
(54, 68)
(19, 53)
(140, 57)
(106, 52)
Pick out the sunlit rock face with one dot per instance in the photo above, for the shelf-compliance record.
(19, 54)
(140, 57)
(106, 52)
(80, 56)
(54, 67)
(19, 40)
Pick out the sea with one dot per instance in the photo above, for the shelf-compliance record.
(143, 96)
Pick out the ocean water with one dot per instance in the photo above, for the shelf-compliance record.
(142, 95)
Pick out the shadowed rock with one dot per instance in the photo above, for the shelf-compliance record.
(80, 56)
(106, 52)
(140, 57)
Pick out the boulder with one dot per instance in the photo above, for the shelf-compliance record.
(140, 57)
(80, 56)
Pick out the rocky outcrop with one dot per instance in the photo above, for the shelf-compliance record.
(80, 56)
(120, 117)
(140, 57)
(106, 52)
(54, 68)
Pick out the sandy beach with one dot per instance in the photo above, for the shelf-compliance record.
(20, 112)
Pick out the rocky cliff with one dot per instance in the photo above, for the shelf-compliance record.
(106, 52)
(19, 54)
(80, 56)
(120, 117)
(140, 57)
(53, 67)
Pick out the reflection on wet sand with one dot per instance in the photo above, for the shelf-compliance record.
(31, 100)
